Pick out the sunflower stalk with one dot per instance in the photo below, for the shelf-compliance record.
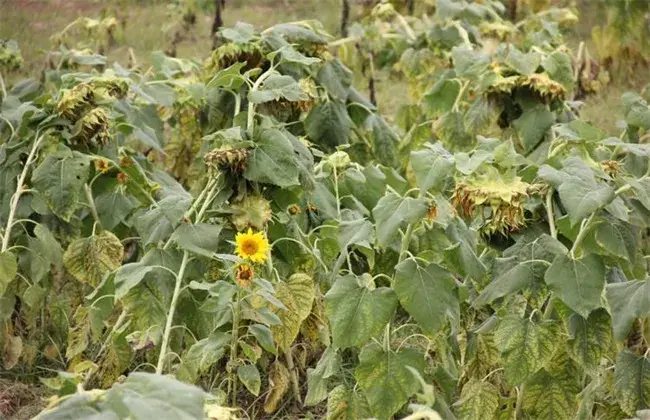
(234, 343)
(288, 356)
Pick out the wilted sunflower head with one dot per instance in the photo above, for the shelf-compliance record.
(252, 246)
(544, 86)
(231, 158)
(244, 274)
(74, 101)
(92, 127)
(498, 199)
(499, 30)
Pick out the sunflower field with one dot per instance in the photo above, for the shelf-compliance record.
(249, 235)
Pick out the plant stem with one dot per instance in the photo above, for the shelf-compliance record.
(520, 402)
(294, 376)
(581, 234)
(549, 213)
(234, 342)
(91, 203)
(336, 192)
(19, 192)
(3, 89)
(461, 92)
(251, 106)
(170, 314)
(406, 240)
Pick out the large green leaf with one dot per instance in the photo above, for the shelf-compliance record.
(479, 400)
(328, 124)
(45, 253)
(60, 179)
(200, 238)
(590, 338)
(442, 96)
(113, 207)
(384, 140)
(583, 197)
(89, 259)
(431, 166)
(273, 161)
(336, 78)
(347, 404)
(357, 310)
(525, 347)
(523, 63)
(428, 293)
(392, 212)
(385, 379)
(579, 283)
(8, 270)
(521, 265)
(317, 378)
(628, 301)
(158, 223)
(632, 378)
(532, 125)
(278, 87)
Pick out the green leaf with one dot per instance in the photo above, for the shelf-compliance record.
(559, 66)
(158, 223)
(442, 96)
(533, 125)
(145, 396)
(632, 378)
(469, 62)
(525, 347)
(297, 294)
(582, 197)
(461, 256)
(200, 238)
(384, 140)
(250, 377)
(128, 276)
(578, 283)
(479, 400)
(385, 379)
(450, 129)
(521, 266)
(523, 63)
(60, 179)
(241, 33)
(272, 161)
(278, 87)
(617, 238)
(113, 207)
(590, 338)
(89, 259)
(8, 270)
(328, 365)
(428, 293)
(264, 337)
(628, 301)
(392, 212)
(336, 78)
(358, 311)
(432, 167)
(328, 124)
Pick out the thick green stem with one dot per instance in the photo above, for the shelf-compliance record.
(19, 192)
(584, 228)
(336, 192)
(406, 240)
(91, 204)
(170, 314)
(549, 213)
(250, 121)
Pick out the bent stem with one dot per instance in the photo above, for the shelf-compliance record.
(294, 376)
(170, 314)
(19, 192)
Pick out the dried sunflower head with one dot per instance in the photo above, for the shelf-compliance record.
(92, 127)
(499, 30)
(611, 167)
(231, 158)
(74, 101)
(544, 86)
(244, 274)
(497, 199)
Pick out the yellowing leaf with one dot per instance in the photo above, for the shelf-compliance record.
(297, 294)
(479, 400)
(278, 386)
(89, 259)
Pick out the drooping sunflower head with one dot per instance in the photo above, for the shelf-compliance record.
(497, 199)
(252, 246)
(544, 86)
(244, 274)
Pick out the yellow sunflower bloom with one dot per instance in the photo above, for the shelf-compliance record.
(252, 246)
